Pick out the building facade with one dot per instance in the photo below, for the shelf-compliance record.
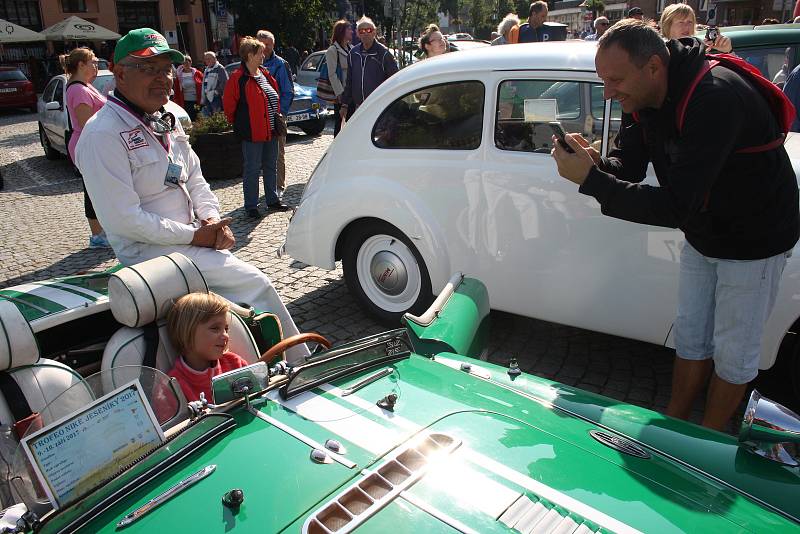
(729, 12)
(183, 22)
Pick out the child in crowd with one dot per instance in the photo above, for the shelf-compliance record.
(198, 328)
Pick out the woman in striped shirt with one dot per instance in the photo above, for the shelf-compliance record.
(251, 104)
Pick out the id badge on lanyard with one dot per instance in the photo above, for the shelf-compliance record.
(173, 178)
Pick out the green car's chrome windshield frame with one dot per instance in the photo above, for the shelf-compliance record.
(348, 359)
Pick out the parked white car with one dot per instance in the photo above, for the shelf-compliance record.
(447, 168)
(54, 124)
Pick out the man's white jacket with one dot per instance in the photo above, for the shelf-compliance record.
(124, 165)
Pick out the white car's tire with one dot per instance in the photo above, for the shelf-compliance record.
(49, 152)
(385, 272)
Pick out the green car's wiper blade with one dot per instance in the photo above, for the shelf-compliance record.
(359, 355)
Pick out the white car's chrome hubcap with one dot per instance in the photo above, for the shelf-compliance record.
(388, 273)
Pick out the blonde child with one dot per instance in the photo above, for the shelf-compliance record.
(198, 328)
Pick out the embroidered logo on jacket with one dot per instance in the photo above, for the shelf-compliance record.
(134, 138)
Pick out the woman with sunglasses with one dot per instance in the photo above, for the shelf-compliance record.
(251, 104)
(369, 64)
(432, 42)
(83, 101)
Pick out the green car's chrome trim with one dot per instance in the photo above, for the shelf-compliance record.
(461, 325)
(153, 465)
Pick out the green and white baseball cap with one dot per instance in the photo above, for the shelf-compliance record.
(144, 43)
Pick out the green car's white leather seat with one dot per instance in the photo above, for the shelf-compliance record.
(39, 380)
(142, 294)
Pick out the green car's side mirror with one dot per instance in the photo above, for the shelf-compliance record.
(240, 383)
(768, 427)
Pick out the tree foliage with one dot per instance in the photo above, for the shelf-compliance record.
(597, 7)
(295, 22)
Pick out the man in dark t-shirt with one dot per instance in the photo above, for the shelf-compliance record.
(532, 31)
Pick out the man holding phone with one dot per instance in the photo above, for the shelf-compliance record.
(738, 211)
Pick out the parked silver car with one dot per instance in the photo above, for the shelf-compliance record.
(55, 128)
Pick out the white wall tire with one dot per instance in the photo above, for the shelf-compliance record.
(385, 272)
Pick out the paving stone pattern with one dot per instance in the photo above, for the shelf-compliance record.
(45, 235)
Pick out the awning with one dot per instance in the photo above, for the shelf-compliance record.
(13, 33)
(77, 29)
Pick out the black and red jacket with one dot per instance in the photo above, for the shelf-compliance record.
(729, 204)
(245, 105)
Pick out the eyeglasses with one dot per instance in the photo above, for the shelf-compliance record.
(436, 40)
(149, 70)
(366, 30)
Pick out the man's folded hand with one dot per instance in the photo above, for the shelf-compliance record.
(206, 236)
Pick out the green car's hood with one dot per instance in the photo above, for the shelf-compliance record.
(516, 457)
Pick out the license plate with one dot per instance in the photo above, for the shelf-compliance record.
(8, 90)
(298, 117)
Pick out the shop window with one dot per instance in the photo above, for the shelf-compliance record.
(73, 6)
(22, 12)
(132, 15)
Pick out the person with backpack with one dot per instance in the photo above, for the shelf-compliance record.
(333, 75)
(369, 64)
(83, 101)
(725, 180)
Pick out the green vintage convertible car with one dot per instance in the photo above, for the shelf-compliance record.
(404, 431)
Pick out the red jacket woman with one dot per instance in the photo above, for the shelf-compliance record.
(245, 105)
(251, 101)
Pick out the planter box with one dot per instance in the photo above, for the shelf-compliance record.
(220, 155)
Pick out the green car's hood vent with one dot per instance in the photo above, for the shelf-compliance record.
(395, 478)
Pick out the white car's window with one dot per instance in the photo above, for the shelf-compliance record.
(312, 62)
(598, 110)
(47, 96)
(446, 117)
(58, 94)
(575, 109)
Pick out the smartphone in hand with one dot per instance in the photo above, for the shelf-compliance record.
(560, 134)
(711, 20)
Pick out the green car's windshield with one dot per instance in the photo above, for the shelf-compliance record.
(347, 359)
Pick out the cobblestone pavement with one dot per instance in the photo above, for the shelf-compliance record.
(45, 235)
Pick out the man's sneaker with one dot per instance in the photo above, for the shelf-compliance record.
(98, 241)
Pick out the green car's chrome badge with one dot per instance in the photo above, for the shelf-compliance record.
(623, 445)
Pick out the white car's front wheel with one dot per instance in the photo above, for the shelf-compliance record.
(385, 272)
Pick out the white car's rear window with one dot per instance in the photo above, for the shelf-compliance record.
(447, 116)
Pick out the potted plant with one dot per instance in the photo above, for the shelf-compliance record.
(218, 149)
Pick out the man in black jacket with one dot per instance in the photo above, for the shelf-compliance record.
(738, 211)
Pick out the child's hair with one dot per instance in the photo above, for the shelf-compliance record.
(188, 313)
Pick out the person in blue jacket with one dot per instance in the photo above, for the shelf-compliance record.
(369, 64)
(280, 70)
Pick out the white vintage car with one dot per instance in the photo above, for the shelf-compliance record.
(446, 167)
